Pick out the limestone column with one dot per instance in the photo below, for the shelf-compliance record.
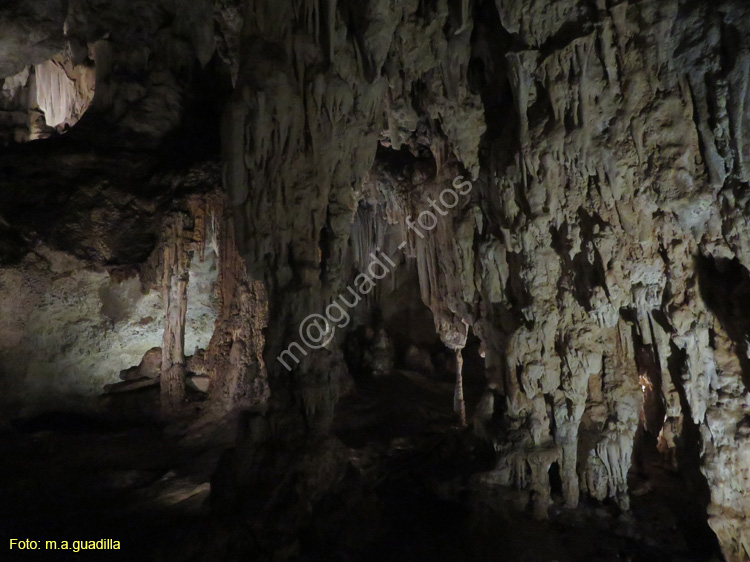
(174, 293)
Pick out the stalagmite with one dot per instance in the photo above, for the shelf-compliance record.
(459, 405)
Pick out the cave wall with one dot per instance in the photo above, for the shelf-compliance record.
(318, 84)
(614, 158)
(628, 169)
(69, 329)
(82, 214)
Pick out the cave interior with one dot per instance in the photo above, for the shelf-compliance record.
(369, 280)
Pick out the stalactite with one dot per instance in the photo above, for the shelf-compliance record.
(465, 17)
(739, 101)
(316, 16)
(331, 26)
(64, 91)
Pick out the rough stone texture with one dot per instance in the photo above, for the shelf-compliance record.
(301, 132)
(95, 199)
(599, 248)
(30, 33)
(149, 367)
(615, 162)
(146, 56)
(624, 177)
(68, 329)
(571, 251)
(234, 359)
(319, 84)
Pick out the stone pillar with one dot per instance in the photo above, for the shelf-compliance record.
(176, 265)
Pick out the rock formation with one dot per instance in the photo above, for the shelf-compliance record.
(566, 181)
(593, 213)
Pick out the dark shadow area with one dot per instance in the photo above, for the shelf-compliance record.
(74, 477)
(674, 496)
(651, 418)
(555, 480)
(725, 288)
(99, 191)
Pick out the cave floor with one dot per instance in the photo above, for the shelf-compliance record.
(69, 477)
(75, 478)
